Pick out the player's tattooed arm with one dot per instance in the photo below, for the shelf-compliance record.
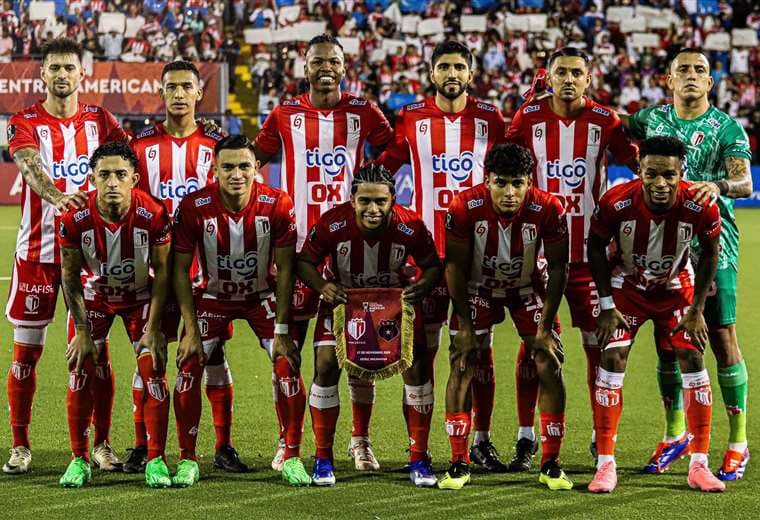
(81, 345)
(458, 262)
(190, 345)
(736, 185)
(693, 322)
(29, 163)
(284, 260)
(610, 318)
(153, 338)
(557, 256)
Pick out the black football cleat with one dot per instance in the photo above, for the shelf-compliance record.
(525, 449)
(227, 459)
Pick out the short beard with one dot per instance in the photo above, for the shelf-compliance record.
(442, 91)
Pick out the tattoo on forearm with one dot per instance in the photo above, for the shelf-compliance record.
(30, 165)
(72, 286)
(738, 177)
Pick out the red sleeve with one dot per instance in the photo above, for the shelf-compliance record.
(317, 245)
(555, 224)
(20, 135)
(515, 131)
(710, 222)
(500, 129)
(458, 219)
(113, 131)
(268, 138)
(69, 232)
(161, 234)
(603, 221)
(380, 133)
(284, 222)
(142, 182)
(622, 147)
(423, 247)
(185, 229)
(397, 152)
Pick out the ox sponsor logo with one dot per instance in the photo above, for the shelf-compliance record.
(337, 226)
(75, 171)
(475, 203)
(356, 328)
(330, 193)
(459, 167)
(622, 204)
(177, 191)
(245, 266)
(331, 162)
(572, 174)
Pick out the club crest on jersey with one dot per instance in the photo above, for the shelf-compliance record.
(157, 389)
(481, 129)
(697, 138)
(356, 328)
(184, 381)
(141, 238)
(685, 232)
(595, 136)
(573, 174)
(388, 330)
(20, 371)
(529, 233)
(77, 380)
(331, 162)
(458, 167)
(32, 303)
(76, 171)
(263, 226)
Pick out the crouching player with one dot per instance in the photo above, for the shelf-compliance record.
(494, 234)
(369, 240)
(245, 234)
(108, 249)
(652, 221)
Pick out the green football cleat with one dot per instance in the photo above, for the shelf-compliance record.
(77, 474)
(187, 474)
(553, 477)
(456, 477)
(294, 473)
(157, 474)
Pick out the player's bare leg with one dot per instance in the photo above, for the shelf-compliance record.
(324, 404)
(418, 412)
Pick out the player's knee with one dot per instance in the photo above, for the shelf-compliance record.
(217, 356)
(615, 359)
(326, 369)
(725, 345)
(545, 365)
(690, 360)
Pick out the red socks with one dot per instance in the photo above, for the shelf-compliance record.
(291, 405)
(80, 401)
(552, 433)
(104, 389)
(418, 408)
(22, 382)
(155, 406)
(483, 390)
(608, 406)
(458, 430)
(141, 438)
(698, 407)
(187, 406)
(526, 384)
(324, 405)
(362, 394)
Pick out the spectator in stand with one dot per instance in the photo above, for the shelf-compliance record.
(111, 43)
(138, 49)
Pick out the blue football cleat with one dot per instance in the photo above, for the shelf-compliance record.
(322, 473)
(667, 453)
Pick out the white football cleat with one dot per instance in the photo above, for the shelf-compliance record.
(360, 449)
(18, 463)
(279, 456)
(103, 457)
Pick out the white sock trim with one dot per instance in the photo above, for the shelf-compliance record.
(695, 379)
(526, 432)
(323, 397)
(609, 380)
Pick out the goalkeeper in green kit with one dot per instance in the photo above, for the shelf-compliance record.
(718, 163)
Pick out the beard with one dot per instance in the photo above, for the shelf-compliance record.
(448, 94)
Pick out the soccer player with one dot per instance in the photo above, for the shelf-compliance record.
(369, 241)
(245, 234)
(652, 221)
(51, 143)
(569, 135)
(107, 251)
(718, 160)
(446, 138)
(177, 158)
(494, 234)
(322, 135)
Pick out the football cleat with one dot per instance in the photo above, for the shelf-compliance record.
(188, 473)
(701, 478)
(554, 477)
(157, 474)
(605, 479)
(77, 474)
(227, 459)
(525, 449)
(294, 473)
(485, 454)
(360, 449)
(19, 461)
(322, 473)
(104, 458)
(421, 474)
(136, 460)
(734, 464)
(593, 451)
(667, 453)
(279, 456)
(457, 476)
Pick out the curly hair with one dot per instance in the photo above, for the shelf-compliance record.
(373, 174)
(114, 148)
(510, 160)
(662, 145)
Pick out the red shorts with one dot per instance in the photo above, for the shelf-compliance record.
(582, 297)
(100, 318)
(305, 301)
(524, 305)
(435, 306)
(33, 293)
(665, 309)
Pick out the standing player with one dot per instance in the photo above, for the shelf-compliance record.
(569, 135)
(108, 249)
(446, 138)
(369, 241)
(494, 234)
(176, 159)
(718, 159)
(244, 234)
(51, 143)
(322, 135)
(651, 221)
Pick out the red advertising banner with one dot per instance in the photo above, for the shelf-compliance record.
(121, 88)
(10, 184)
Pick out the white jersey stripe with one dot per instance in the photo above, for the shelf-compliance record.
(263, 243)
(237, 247)
(113, 253)
(141, 245)
(326, 142)
(179, 164)
(479, 151)
(210, 231)
(425, 153)
(479, 253)
(566, 151)
(371, 258)
(25, 229)
(153, 164)
(453, 133)
(300, 180)
(538, 133)
(344, 262)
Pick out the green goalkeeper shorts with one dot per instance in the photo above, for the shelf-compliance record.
(720, 307)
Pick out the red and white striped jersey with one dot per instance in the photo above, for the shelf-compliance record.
(235, 250)
(321, 150)
(172, 167)
(505, 249)
(652, 250)
(65, 147)
(446, 151)
(571, 158)
(356, 261)
(116, 256)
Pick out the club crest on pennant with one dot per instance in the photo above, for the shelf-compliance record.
(184, 382)
(157, 389)
(388, 330)
(356, 328)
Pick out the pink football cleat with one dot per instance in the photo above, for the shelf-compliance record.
(605, 479)
(701, 478)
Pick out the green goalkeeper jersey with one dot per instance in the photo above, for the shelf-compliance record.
(710, 139)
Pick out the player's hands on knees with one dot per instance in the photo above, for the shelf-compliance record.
(69, 201)
(702, 191)
(81, 346)
(462, 347)
(283, 345)
(333, 293)
(694, 326)
(607, 323)
(155, 342)
(548, 342)
(190, 346)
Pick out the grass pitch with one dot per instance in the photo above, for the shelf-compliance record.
(387, 494)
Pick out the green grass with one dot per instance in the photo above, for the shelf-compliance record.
(388, 494)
